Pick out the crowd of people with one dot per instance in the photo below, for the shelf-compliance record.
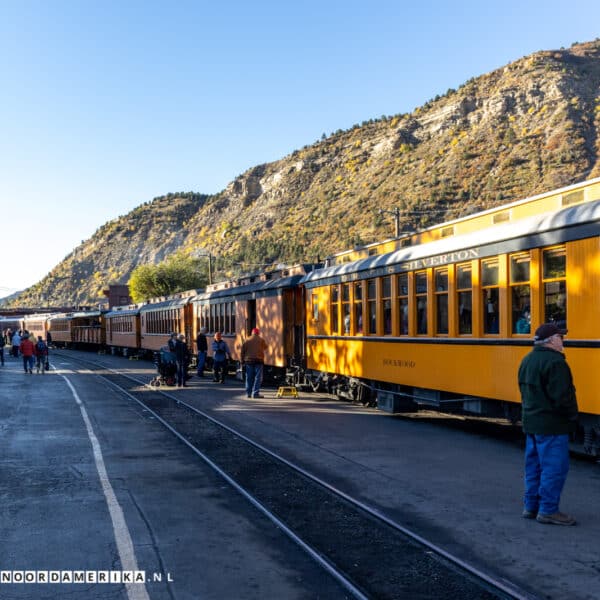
(174, 359)
(22, 344)
(549, 403)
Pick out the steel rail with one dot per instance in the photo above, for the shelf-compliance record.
(320, 560)
(501, 585)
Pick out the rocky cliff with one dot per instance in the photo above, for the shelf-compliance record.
(527, 128)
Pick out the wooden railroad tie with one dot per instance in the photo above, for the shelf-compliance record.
(287, 391)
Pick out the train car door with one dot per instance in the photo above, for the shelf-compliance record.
(251, 316)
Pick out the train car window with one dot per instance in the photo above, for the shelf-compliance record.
(315, 306)
(232, 311)
(386, 298)
(555, 286)
(572, 198)
(206, 317)
(211, 318)
(490, 270)
(465, 298)
(421, 301)
(346, 307)
(372, 306)
(335, 309)
(358, 307)
(403, 303)
(441, 300)
(520, 292)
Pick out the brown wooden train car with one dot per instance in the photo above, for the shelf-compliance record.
(88, 328)
(59, 327)
(160, 318)
(123, 333)
(271, 301)
(37, 325)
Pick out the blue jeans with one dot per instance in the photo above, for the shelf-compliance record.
(201, 363)
(181, 372)
(546, 468)
(28, 363)
(219, 370)
(254, 375)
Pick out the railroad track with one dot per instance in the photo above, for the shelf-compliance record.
(368, 553)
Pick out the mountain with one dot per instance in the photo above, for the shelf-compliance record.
(527, 128)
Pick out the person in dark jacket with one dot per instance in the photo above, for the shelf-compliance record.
(182, 355)
(221, 355)
(172, 341)
(550, 411)
(41, 354)
(3, 341)
(202, 346)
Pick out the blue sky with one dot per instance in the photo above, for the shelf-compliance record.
(106, 105)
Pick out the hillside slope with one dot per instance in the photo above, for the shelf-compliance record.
(526, 128)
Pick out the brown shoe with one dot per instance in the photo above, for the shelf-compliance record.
(557, 518)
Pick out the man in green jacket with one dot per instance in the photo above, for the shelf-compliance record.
(549, 415)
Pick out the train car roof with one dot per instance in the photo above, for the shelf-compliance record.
(166, 304)
(87, 313)
(125, 311)
(251, 288)
(538, 225)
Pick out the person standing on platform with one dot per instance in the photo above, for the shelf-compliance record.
(16, 342)
(41, 353)
(172, 341)
(202, 346)
(550, 412)
(182, 360)
(28, 351)
(2, 344)
(221, 355)
(253, 357)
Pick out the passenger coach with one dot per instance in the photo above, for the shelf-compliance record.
(271, 300)
(161, 318)
(449, 321)
(123, 329)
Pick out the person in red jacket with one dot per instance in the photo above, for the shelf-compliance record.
(28, 351)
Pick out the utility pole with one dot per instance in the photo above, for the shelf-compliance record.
(396, 213)
(210, 257)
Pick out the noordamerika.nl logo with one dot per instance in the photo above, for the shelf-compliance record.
(81, 577)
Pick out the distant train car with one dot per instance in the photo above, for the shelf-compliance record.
(77, 329)
(88, 328)
(270, 300)
(12, 323)
(37, 325)
(123, 334)
(161, 318)
(59, 326)
(447, 323)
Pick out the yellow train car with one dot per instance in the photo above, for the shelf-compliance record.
(578, 193)
(448, 321)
